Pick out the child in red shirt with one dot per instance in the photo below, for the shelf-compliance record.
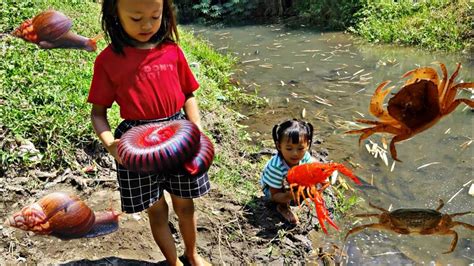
(145, 72)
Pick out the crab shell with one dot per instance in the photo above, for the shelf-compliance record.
(416, 104)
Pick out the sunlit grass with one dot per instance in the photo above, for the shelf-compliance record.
(433, 25)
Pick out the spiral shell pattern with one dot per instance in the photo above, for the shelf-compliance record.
(46, 26)
(201, 162)
(56, 213)
(157, 147)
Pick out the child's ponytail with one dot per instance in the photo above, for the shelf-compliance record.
(309, 129)
(293, 128)
(275, 134)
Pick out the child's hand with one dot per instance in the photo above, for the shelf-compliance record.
(112, 149)
(199, 126)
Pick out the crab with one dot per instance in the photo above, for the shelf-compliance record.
(415, 221)
(421, 102)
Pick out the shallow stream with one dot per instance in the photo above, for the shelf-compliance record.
(329, 78)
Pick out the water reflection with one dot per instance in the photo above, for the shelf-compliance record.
(331, 76)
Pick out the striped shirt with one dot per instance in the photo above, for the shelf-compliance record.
(276, 169)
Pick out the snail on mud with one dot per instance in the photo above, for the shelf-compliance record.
(52, 29)
(65, 216)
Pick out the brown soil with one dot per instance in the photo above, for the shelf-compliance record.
(228, 232)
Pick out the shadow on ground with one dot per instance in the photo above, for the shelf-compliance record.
(114, 261)
(263, 215)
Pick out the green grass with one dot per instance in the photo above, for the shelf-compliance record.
(44, 92)
(432, 25)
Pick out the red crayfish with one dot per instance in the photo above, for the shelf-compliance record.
(65, 216)
(306, 177)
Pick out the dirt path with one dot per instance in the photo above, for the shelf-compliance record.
(229, 233)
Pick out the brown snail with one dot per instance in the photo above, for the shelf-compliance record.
(52, 29)
(65, 216)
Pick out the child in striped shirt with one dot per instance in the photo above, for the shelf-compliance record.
(292, 139)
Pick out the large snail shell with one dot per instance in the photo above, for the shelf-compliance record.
(50, 25)
(56, 213)
(47, 26)
(52, 29)
(70, 215)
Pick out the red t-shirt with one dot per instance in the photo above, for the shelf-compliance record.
(145, 83)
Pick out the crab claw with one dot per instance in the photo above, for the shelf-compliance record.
(322, 212)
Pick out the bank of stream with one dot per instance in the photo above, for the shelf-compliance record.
(328, 78)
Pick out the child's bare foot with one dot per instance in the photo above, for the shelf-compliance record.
(194, 260)
(285, 211)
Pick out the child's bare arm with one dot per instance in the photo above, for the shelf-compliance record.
(102, 129)
(191, 110)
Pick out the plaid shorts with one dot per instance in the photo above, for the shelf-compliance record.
(139, 191)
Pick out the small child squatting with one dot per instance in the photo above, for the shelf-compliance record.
(292, 140)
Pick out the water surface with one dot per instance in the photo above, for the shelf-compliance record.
(330, 77)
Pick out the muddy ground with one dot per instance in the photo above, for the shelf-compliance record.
(229, 232)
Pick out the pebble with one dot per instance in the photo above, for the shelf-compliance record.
(136, 216)
(471, 190)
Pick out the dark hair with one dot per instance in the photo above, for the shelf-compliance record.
(293, 129)
(117, 36)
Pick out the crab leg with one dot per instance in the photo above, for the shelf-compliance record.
(457, 102)
(465, 225)
(441, 204)
(454, 242)
(442, 86)
(367, 132)
(395, 139)
(362, 215)
(459, 214)
(362, 227)
(377, 207)
(451, 94)
(451, 80)
(376, 102)
(320, 213)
